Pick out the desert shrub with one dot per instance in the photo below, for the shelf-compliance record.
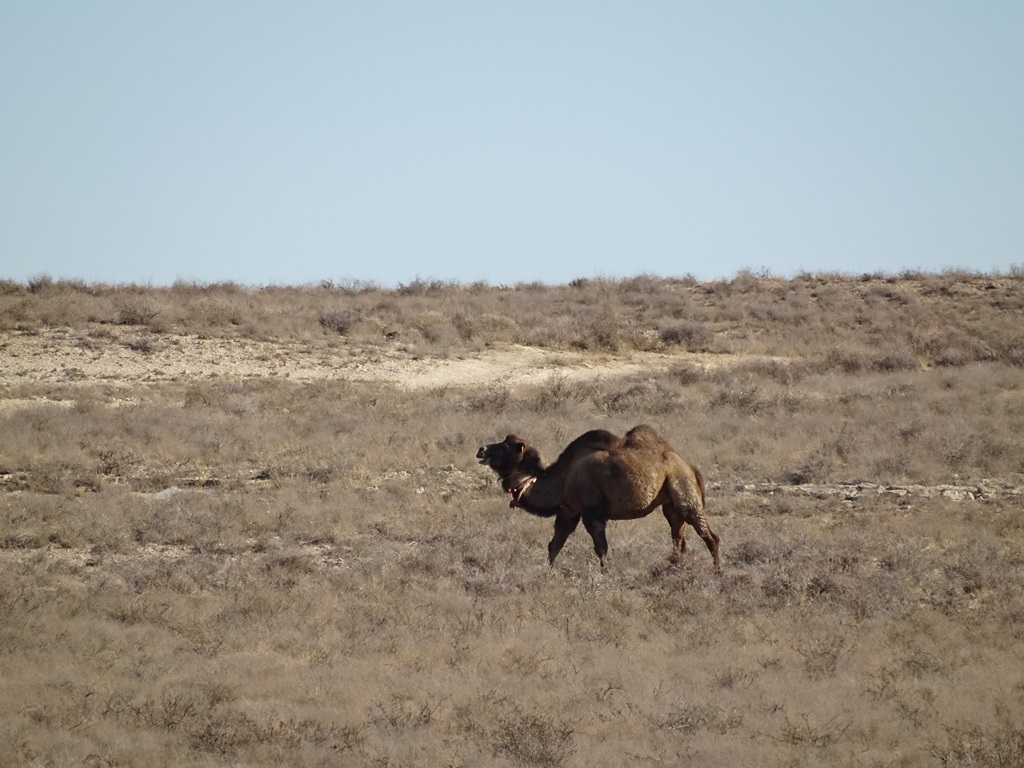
(690, 718)
(11, 288)
(561, 391)
(643, 398)
(496, 327)
(41, 284)
(848, 360)
(823, 653)
(686, 374)
(339, 321)
(598, 334)
(693, 336)
(741, 392)
(814, 732)
(531, 738)
(752, 552)
(425, 287)
(212, 312)
(400, 713)
(138, 312)
(972, 745)
(828, 460)
(435, 327)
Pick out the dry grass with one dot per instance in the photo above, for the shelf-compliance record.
(266, 571)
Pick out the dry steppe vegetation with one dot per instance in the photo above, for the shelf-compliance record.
(245, 527)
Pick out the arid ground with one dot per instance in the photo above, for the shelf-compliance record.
(246, 527)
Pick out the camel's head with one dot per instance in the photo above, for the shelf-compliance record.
(508, 456)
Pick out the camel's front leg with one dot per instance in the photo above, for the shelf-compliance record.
(565, 524)
(593, 520)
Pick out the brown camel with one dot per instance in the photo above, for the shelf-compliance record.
(600, 477)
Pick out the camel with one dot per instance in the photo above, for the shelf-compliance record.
(600, 477)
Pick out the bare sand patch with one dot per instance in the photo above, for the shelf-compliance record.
(123, 357)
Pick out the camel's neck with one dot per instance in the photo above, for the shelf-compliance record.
(539, 493)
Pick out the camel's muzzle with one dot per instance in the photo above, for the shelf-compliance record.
(495, 456)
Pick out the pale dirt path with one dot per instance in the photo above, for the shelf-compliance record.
(126, 358)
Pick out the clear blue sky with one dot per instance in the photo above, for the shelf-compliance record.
(290, 142)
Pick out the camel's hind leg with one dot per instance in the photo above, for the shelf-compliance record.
(690, 507)
(700, 523)
(678, 526)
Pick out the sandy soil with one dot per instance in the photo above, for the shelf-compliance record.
(122, 357)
